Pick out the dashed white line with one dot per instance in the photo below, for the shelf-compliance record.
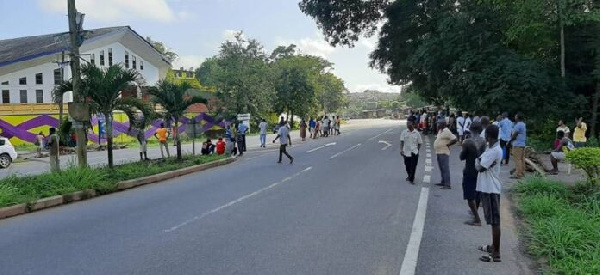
(428, 168)
(231, 203)
(428, 155)
(345, 151)
(375, 137)
(427, 179)
(411, 257)
(321, 147)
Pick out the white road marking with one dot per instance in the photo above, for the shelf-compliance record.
(375, 137)
(428, 168)
(427, 179)
(428, 155)
(428, 161)
(387, 145)
(231, 203)
(389, 130)
(345, 151)
(411, 257)
(428, 150)
(321, 147)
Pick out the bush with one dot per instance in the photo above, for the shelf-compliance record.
(538, 185)
(588, 159)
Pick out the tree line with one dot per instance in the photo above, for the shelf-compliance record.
(538, 57)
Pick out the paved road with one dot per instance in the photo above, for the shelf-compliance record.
(339, 209)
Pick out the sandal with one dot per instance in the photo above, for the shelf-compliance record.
(490, 258)
(473, 223)
(485, 248)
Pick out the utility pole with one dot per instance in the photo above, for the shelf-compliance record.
(76, 41)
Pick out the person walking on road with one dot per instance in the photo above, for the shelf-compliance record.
(337, 125)
(442, 144)
(471, 150)
(519, 140)
(489, 185)
(410, 145)
(262, 126)
(284, 139)
(162, 134)
(39, 142)
(54, 143)
(505, 134)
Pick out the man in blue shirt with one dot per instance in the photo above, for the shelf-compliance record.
(505, 126)
(242, 128)
(311, 125)
(518, 141)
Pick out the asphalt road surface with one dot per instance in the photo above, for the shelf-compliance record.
(343, 207)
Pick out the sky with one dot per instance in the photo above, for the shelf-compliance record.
(194, 29)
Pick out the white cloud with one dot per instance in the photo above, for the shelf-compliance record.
(187, 61)
(375, 86)
(315, 45)
(110, 10)
(369, 43)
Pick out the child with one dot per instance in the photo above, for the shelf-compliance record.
(220, 146)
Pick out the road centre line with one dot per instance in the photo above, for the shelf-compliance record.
(345, 151)
(375, 137)
(411, 257)
(321, 147)
(231, 203)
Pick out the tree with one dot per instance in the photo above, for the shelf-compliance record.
(330, 92)
(163, 49)
(174, 98)
(103, 87)
(57, 97)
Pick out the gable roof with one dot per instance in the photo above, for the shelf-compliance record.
(31, 47)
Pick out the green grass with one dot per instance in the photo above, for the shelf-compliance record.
(563, 225)
(15, 190)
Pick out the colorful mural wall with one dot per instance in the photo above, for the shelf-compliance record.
(22, 129)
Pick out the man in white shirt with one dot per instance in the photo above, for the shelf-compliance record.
(285, 139)
(490, 186)
(460, 126)
(263, 133)
(410, 144)
(485, 122)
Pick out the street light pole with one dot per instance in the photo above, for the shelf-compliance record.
(75, 39)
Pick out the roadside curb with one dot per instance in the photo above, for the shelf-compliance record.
(41, 204)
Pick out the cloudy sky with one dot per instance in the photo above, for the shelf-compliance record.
(195, 28)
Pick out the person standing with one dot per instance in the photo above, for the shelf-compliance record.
(467, 125)
(484, 122)
(490, 186)
(303, 127)
(518, 141)
(560, 151)
(285, 139)
(262, 126)
(337, 125)
(505, 134)
(242, 129)
(239, 138)
(54, 143)
(311, 126)
(162, 134)
(442, 144)
(460, 126)
(471, 150)
(410, 145)
(141, 137)
(317, 129)
(562, 127)
(39, 142)
(579, 135)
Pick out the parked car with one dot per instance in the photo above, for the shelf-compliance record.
(7, 153)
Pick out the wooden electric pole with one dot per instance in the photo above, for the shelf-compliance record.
(76, 41)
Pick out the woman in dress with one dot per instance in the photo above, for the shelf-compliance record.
(303, 130)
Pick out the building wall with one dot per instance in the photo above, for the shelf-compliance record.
(150, 74)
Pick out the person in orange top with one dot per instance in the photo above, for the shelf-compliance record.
(220, 146)
(162, 134)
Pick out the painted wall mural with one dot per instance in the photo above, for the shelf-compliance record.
(22, 129)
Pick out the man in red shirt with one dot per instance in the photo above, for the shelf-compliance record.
(220, 147)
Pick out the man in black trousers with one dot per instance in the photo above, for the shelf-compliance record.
(410, 145)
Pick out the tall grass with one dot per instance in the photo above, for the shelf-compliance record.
(563, 225)
(15, 190)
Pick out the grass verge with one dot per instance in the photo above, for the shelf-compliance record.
(15, 190)
(562, 225)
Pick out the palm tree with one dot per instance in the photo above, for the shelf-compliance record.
(175, 99)
(103, 87)
(57, 97)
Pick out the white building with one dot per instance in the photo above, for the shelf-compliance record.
(30, 67)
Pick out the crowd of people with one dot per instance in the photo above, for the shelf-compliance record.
(486, 145)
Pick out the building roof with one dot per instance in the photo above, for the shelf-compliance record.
(31, 47)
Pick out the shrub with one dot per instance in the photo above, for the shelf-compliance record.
(588, 159)
(539, 185)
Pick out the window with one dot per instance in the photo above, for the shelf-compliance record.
(5, 96)
(133, 62)
(58, 76)
(5, 83)
(23, 94)
(2, 142)
(39, 96)
(126, 59)
(23, 81)
(39, 79)
(141, 65)
(93, 59)
(109, 56)
(102, 58)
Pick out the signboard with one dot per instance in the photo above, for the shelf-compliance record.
(101, 126)
(243, 117)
